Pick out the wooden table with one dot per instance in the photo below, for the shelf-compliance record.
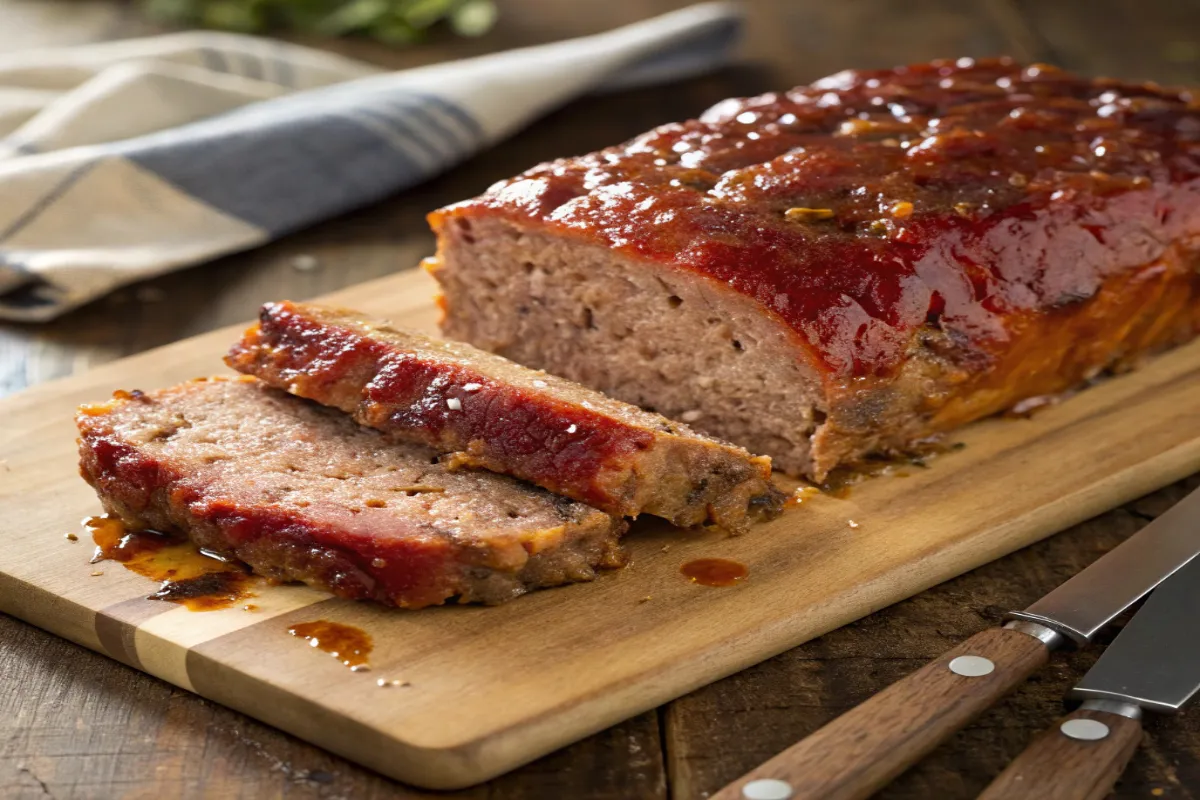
(75, 724)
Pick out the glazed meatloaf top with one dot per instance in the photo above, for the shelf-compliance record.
(490, 412)
(958, 195)
(300, 492)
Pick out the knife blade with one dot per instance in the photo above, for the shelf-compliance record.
(860, 751)
(1152, 665)
(1099, 594)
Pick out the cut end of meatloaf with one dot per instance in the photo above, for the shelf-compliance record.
(852, 266)
(493, 413)
(670, 341)
(302, 493)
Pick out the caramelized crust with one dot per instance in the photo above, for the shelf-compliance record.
(489, 412)
(302, 493)
(938, 241)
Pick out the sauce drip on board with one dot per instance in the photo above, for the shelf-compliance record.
(346, 643)
(714, 571)
(189, 576)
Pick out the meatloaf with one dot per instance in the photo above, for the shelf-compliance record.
(850, 266)
(490, 412)
(302, 493)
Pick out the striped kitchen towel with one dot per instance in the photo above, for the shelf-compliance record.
(125, 160)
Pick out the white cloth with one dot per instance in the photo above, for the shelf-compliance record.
(124, 160)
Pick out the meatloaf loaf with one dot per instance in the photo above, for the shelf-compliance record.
(489, 412)
(850, 266)
(302, 493)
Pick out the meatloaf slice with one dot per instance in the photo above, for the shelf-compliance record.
(490, 412)
(302, 493)
(849, 266)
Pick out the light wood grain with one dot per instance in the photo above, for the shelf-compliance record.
(1057, 767)
(494, 688)
(862, 750)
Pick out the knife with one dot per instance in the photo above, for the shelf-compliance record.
(860, 751)
(1152, 665)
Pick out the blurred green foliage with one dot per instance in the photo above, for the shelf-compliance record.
(396, 22)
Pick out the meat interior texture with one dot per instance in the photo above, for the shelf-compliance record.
(851, 266)
(492, 413)
(302, 493)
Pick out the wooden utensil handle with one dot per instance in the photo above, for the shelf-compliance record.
(1074, 760)
(860, 751)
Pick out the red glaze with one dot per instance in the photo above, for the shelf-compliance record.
(966, 196)
(410, 571)
(562, 446)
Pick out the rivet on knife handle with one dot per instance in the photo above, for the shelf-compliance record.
(1080, 758)
(860, 751)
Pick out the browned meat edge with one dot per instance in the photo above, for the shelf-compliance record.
(301, 493)
(490, 412)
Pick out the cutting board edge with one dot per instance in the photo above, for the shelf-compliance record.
(1169, 467)
(481, 758)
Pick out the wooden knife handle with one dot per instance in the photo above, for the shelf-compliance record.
(1057, 766)
(860, 751)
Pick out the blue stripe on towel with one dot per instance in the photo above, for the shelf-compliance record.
(282, 164)
(424, 156)
(374, 92)
(405, 119)
(456, 113)
(454, 138)
(284, 176)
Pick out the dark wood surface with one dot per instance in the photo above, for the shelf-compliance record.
(866, 747)
(1064, 768)
(74, 724)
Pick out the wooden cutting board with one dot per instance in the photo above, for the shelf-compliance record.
(492, 688)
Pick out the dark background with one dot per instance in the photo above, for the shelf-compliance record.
(74, 724)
